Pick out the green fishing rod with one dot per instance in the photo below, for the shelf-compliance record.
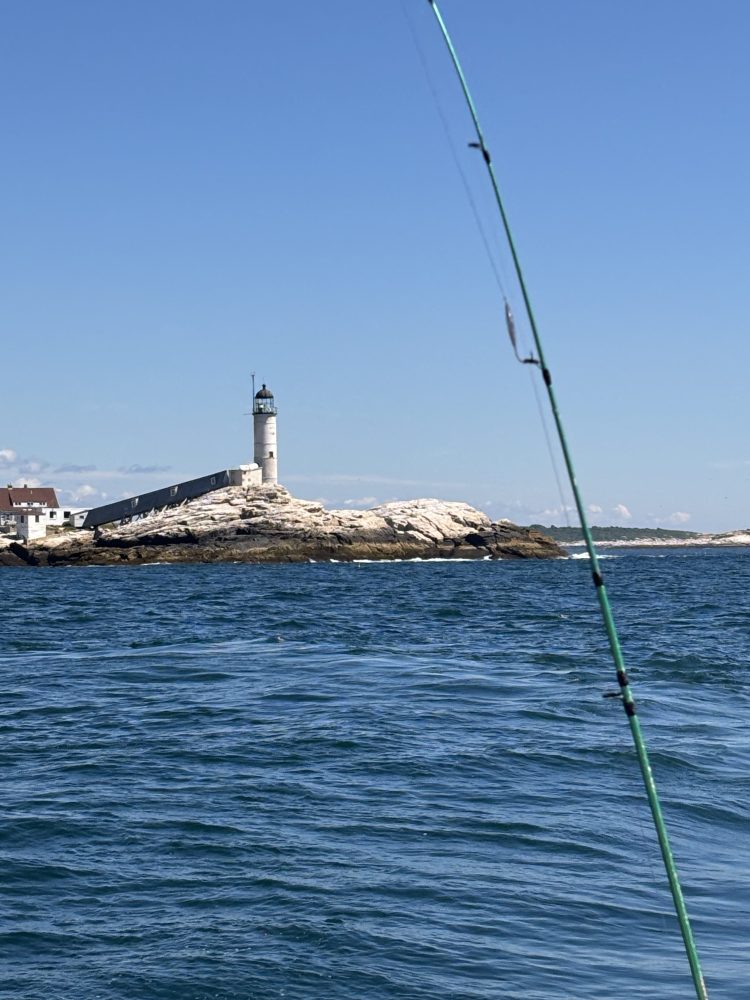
(626, 693)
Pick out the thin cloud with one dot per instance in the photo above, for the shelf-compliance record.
(622, 511)
(381, 480)
(33, 465)
(730, 463)
(74, 469)
(128, 473)
(143, 470)
(85, 493)
(555, 511)
(679, 517)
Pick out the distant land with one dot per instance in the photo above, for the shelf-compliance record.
(613, 533)
(617, 535)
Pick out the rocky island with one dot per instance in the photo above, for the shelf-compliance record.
(267, 524)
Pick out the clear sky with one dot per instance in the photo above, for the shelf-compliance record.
(194, 190)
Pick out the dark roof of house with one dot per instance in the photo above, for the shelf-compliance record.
(10, 495)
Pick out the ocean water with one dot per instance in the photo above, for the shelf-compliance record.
(371, 780)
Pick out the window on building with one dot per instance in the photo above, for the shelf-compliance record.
(173, 491)
(213, 480)
(53, 514)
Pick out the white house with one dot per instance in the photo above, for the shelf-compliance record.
(13, 498)
(31, 523)
(41, 501)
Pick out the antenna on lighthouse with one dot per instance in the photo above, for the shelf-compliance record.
(252, 376)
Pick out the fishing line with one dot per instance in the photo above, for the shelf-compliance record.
(532, 362)
(550, 448)
(497, 271)
(625, 692)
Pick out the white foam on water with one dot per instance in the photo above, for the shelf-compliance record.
(437, 559)
(585, 555)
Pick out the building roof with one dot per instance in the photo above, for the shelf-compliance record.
(10, 495)
(264, 392)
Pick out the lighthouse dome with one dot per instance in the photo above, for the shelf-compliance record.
(264, 401)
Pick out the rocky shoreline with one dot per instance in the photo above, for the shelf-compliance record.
(268, 524)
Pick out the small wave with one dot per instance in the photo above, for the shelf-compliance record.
(418, 559)
(585, 555)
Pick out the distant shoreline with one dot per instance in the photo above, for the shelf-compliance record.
(706, 542)
(616, 536)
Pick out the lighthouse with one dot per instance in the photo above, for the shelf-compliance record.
(265, 451)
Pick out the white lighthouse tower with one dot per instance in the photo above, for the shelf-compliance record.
(265, 451)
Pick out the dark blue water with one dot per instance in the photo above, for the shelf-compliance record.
(370, 780)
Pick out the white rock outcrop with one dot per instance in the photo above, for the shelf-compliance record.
(266, 523)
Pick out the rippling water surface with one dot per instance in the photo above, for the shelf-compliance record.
(370, 780)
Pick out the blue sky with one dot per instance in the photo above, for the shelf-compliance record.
(192, 191)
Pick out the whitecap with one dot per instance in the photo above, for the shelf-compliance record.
(585, 555)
